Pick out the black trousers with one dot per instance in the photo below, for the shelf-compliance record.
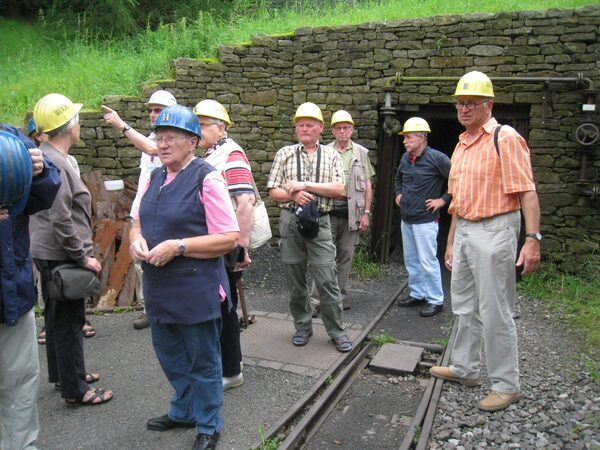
(64, 340)
(231, 350)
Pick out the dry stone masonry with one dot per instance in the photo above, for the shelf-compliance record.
(262, 82)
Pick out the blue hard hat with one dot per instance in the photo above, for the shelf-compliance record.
(179, 116)
(15, 173)
(31, 128)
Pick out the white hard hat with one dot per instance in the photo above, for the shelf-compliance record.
(163, 98)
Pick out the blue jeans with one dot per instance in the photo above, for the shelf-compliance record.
(190, 356)
(419, 242)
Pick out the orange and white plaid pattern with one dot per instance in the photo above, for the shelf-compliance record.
(481, 183)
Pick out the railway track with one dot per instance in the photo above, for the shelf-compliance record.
(302, 422)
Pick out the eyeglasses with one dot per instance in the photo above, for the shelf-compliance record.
(154, 110)
(343, 128)
(469, 105)
(168, 140)
(204, 125)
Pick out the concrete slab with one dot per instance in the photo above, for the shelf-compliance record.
(396, 358)
(269, 340)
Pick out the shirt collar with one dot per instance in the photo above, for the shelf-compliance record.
(487, 127)
(220, 142)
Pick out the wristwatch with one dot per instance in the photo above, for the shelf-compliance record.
(367, 211)
(536, 236)
(181, 247)
(125, 129)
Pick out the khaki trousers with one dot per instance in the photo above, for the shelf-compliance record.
(345, 242)
(483, 293)
(318, 256)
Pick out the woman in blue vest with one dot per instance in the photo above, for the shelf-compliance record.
(185, 224)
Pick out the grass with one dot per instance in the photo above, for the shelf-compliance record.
(266, 444)
(363, 269)
(39, 58)
(380, 339)
(440, 341)
(571, 298)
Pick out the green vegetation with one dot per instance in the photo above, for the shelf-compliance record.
(56, 55)
(267, 444)
(571, 298)
(363, 269)
(440, 341)
(123, 309)
(380, 339)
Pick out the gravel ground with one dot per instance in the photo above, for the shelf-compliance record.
(559, 406)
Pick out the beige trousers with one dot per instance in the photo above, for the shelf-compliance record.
(483, 294)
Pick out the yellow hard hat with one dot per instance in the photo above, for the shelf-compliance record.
(212, 108)
(415, 125)
(54, 110)
(341, 116)
(475, 83)
(308, 110)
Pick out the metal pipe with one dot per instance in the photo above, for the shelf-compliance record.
(578, 80)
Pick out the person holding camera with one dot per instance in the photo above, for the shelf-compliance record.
(305, 179)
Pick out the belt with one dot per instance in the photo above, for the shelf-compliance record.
(321, 213)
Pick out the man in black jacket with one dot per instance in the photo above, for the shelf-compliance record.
(420, 193)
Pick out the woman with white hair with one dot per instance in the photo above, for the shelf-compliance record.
(59, 235)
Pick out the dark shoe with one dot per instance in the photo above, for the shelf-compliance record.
(206, 441)
(301, 337)
(409, 301)
(141, 322)
(164, 423)
(431, 310)
(342, 344)
(346, 306)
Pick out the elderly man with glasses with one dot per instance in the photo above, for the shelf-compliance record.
(148, 162)
(491, 184)
(351, 214)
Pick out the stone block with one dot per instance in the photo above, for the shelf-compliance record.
(442, 62)
(485, 50)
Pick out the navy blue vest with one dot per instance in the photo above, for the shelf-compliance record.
(186, 290)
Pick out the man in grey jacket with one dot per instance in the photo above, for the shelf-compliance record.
(350, 215)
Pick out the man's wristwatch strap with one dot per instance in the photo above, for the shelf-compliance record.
(536, 236)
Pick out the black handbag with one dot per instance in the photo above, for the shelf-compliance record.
(72, 282)
(307, 216)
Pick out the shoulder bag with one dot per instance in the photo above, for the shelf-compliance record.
(261, 228)
(73, 282)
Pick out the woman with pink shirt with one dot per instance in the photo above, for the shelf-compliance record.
(185, 225)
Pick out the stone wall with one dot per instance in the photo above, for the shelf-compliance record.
(262, 82)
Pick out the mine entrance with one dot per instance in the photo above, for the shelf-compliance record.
(386, 238)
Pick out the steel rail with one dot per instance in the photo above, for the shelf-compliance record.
(423, 442)
(295, 412)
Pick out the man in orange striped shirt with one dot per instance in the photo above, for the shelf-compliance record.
(489, 186)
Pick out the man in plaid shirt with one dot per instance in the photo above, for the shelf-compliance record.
(321, 178)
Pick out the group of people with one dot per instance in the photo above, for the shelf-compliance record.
(192, 223)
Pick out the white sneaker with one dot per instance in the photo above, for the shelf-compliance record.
(231, 382)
